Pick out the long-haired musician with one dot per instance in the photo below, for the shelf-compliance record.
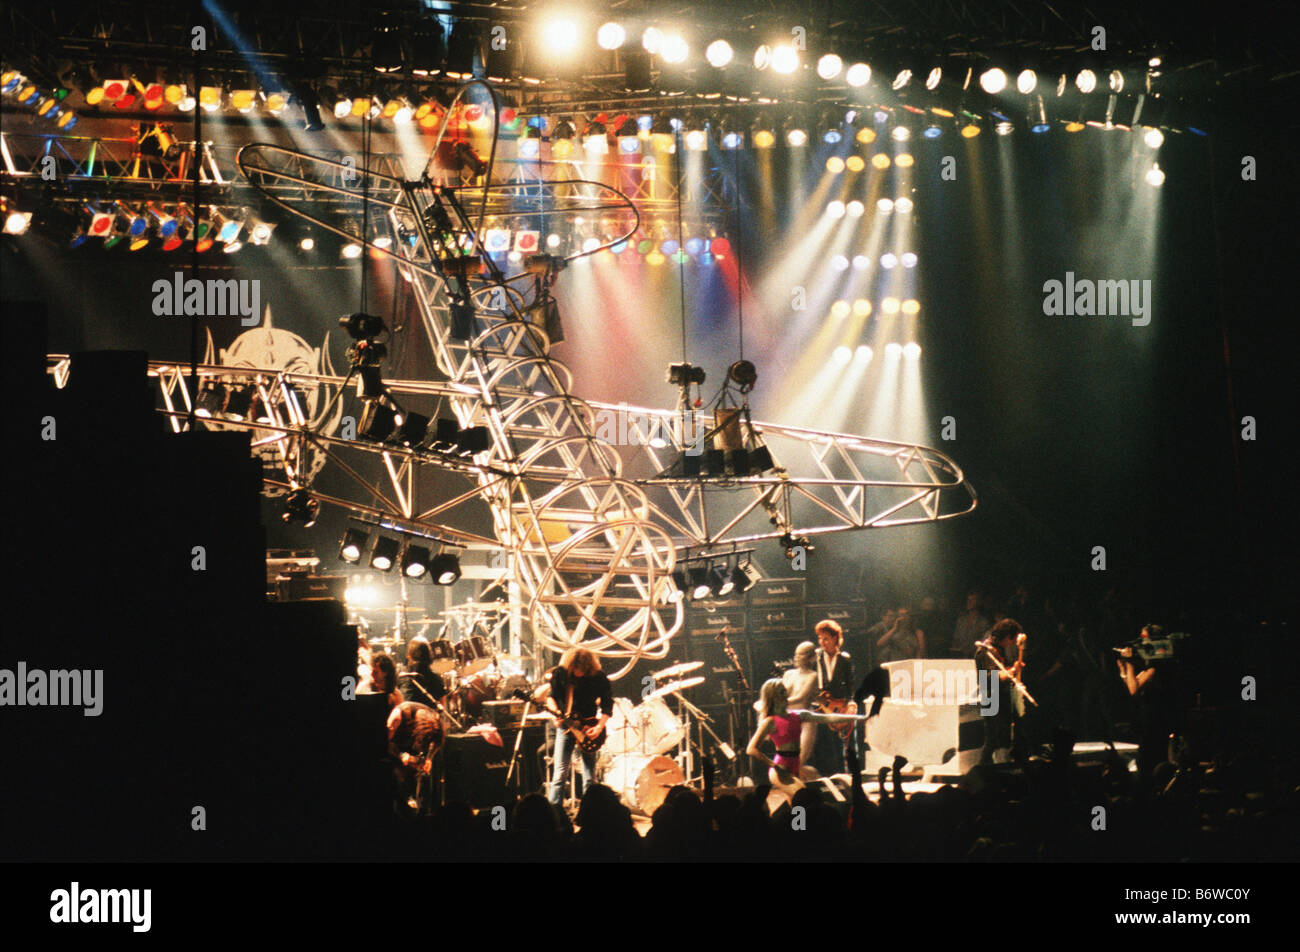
(579, 689)
(997, 656)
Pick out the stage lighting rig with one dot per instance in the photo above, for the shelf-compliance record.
(684, 374)
(791, 542)
(743, 374)
(353, 544)
(300, 508)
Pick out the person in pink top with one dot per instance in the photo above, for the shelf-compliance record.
(785, 727)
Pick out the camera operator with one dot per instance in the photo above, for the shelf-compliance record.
(1153, 693)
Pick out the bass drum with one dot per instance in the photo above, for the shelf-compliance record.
(622, 730)
(473, 655)
(643, 781)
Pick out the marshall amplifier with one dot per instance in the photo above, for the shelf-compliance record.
(297, 588)
(770, 656)
(778, 593)
(774, 620)
(851, 618)
(708, 624)
(475, 770)
(718, 668)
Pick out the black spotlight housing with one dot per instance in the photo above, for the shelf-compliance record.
(415, 561)
(445, 568)
(386, 54)
(679, 581)
(413, 428)
(720, 582)
(384, 555)
(699, 584)
(743, 374)
(353, 544)
(300, 508)
(362, 326)
(744, 577)
(378, 422)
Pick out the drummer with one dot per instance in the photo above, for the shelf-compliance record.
(419, 682)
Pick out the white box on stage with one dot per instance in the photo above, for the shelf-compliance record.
(932, 717)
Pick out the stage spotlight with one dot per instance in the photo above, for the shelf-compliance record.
(840, 309)
(744, 577)
(611, 36)
(560, 36)
(721, 583)
(673, 49)
(911, 350)
(762, 56)
(445, 568)
(784, 59)
(351, 250)
(835, 165)
(862, 307)
(1115, 79)
(839, 263)
(933, 78)
(67, 120)
(1038, 117)
(652, 39)
(463, 47)
(855, 163)
(696, 140)
(732, 140)
(1026, 81)
(307, 244)
(908, 259)
(900, 133)
(17, 223)
(1156, 176)
(428, 48)
(1085, 81)
(562, 139)
(888, 260)
(884, 205)
(719, 54)
(901, 79)
(993, 81)
(1004, 128)
(698, 582)
(911, 306)
(903, 205)
(880, 161)
(932, 132)
(384, 554)
(858, 75)
(411, 429)
(835, 209)
(842, 355)
(863, 354)
(890, 305)
(829, 66)
(861, 262)
(354, 543)
(796, 138)
(415, 561)
(763, 138)
(970, 130)
(377, 422)
(893, 350)
(301, 509)
(1154, 138)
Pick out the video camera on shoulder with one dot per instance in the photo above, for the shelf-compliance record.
(1154, 646)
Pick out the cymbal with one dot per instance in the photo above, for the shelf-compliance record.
(672, 687)
(678, 669)
(476, 607)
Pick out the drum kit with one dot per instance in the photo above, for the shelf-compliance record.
(634, 760)
(472, 669)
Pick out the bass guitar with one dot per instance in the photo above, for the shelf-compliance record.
(835, 705)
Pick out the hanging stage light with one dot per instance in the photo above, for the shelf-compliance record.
(386, 46)
(744, 577)
(858, 75)
(354, 543)
(698, 581)
(300, 508)
(384, 555)
(719, 54)
(829, 66)
(611, 36)
(993, 81)
(721, 584)
(445, 568)
(428, 48)
(412, 429)
(416, 560)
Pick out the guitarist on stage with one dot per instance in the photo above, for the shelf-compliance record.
(579, 691)
(834, 691)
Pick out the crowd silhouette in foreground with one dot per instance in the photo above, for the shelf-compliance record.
(1245, 808)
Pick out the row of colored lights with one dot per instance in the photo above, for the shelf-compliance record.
(136, 229)
(862, 307)
(862, 354)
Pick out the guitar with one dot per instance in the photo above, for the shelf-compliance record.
(577, 726)
(834, 705)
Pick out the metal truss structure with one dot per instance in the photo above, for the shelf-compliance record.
(593, 527)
